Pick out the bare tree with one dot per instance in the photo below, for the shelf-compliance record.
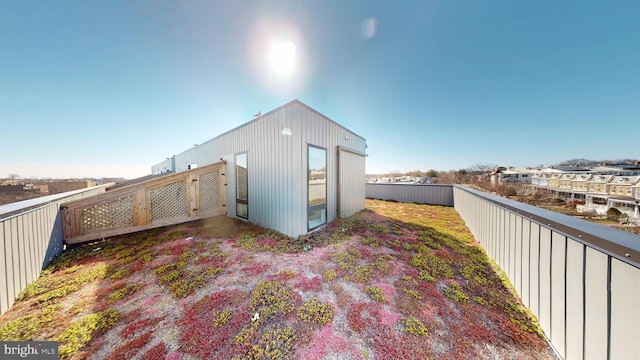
(14, 176)
(482, 168)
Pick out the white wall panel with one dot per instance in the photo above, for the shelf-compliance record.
(558, 263)
(526, 263)
(494, 234)
(575, 300)
(501, 228)
(511, 247)
(545, 281)
(595, 334)
(12, 266)
(4, 293)
(625, 311)
(504, 240)
(30, 244)
(517, 279)
(486, 218)
(534, 269)
(352, 186)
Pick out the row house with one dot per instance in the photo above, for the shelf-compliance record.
(599, 184)
(621, 195)
(565, 180)
(580, 181)
(601, 192)
(540, 180)
(623, 186)
(554, 181)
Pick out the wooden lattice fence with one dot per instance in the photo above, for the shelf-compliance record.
(172, 199)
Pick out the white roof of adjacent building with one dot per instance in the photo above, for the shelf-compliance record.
(606, 169)
(602, 178)
(583, 177)
(625, 180)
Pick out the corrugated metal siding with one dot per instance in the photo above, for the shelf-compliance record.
(625, 316)
(587, 301)
(162, 167)
(421, 194)
(277, 164)
(30, 239)
(352, 186)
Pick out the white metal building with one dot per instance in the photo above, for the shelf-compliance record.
(292, 169)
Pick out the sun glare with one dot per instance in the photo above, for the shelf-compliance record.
(282, 58)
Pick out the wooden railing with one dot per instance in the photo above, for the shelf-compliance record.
(172, 199)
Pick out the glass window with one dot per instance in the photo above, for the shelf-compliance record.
(317, 186)
(242, 186)
(317, 218)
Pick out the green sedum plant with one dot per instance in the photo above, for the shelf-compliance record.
(80, 333)
(313, 311)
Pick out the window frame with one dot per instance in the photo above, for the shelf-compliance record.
(238, 199)
(311, 209)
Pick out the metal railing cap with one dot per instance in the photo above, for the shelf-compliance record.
(10, 210)
(623, 245)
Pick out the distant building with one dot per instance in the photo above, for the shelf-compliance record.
(503, 176)
(18, 192)
(60, 186)
(601, 188)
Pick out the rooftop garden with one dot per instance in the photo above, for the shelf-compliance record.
(394, 281)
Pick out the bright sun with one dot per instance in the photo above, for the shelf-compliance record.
(282, 58)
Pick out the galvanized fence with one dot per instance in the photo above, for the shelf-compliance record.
(172, 199)
(30, 237)
(581, 280)
(421, 194)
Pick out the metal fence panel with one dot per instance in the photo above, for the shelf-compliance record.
(545, 281)
(534, 269)
(596, 304)
(30, 236)
(558, 296)
(512, 247)
(496, 230)
(421, 194)
(502, 224)
(526, 263)
(4, 285)
(575, 300)
(581, 279)
(12, 266)
(625, 324)
(32, 268)
(517, 279)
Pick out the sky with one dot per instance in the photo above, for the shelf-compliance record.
(110, 88)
